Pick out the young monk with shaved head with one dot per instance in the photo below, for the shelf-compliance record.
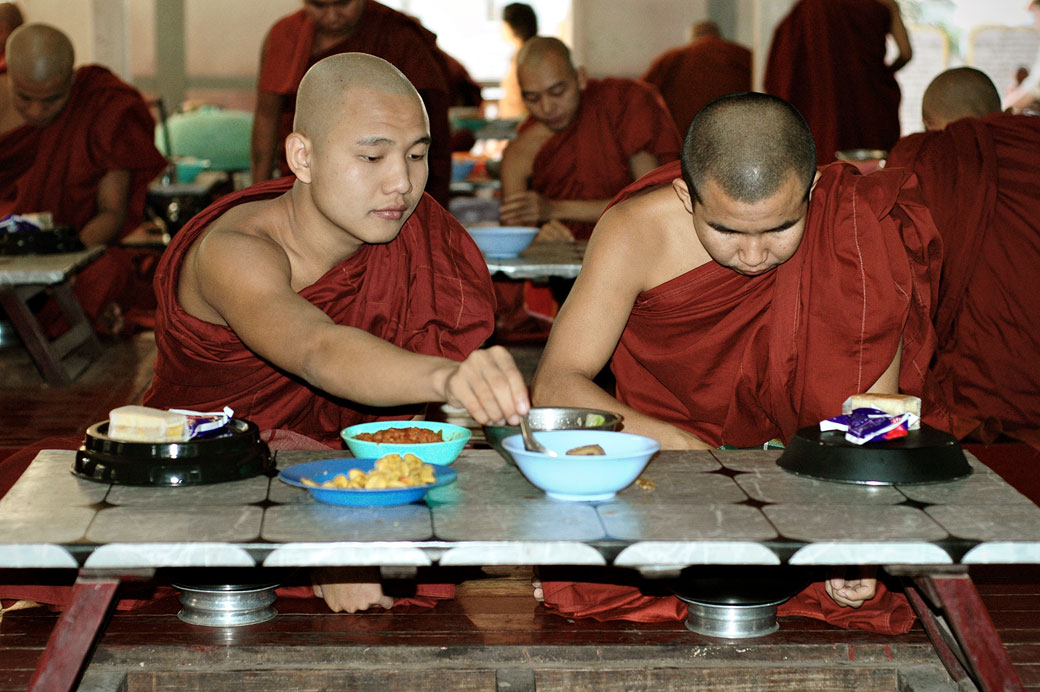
(738, 298)
(78, 143)
(340, 296)
(979, 171)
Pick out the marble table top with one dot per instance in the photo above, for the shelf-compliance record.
(45, 270)
(718, 507)
(542, 261)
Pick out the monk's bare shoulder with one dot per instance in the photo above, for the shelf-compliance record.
(232, 254)
(652, 231)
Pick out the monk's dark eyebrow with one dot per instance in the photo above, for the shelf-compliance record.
(377, 140)
(781, 227)
(526, 94)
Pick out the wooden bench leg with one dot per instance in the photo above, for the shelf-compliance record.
(975, 644)
(36, 342)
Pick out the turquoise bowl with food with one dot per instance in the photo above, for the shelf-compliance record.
(584, 478)
(441, 453)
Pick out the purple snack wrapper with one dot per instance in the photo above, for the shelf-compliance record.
(867, 425)
(202, 423)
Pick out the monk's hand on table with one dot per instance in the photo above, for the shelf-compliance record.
(523, 209)
(852, 587)
(554, 232)
(349, 589)
(489, 386)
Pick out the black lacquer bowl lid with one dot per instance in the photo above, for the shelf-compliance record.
(923, 456)
(234, 453)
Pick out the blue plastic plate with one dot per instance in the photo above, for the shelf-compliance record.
(327, 469)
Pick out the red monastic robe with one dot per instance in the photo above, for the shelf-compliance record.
(385, 33)
(692, 76)
(427, 291)
(828, 59)
(589, 159)
(740, 360)
(105, 125)
(981, 179)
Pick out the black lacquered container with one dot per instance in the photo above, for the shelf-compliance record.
(923, 456)
(229, 455)
(44, 242)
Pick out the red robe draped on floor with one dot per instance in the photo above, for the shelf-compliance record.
(828, 59)
(427, 291)
(105, 125)
(763, 356)
(691, 76)
(617, 118)
(981, 179)
(386, 33)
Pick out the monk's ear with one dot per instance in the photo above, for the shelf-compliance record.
(812, 187)
(683, 192)
(583, 78)
(298, 153)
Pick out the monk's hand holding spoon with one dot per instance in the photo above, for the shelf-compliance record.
(554, 232)
(525, 208)
(489, 386)
(852, 587)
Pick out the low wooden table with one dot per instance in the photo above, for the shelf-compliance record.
(24, 276)
(708, 508)
(542, 261)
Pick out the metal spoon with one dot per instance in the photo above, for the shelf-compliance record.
(531, 444)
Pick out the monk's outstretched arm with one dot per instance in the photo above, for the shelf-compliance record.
(590, 324)
(113, 195)
(246, 281)
(897, 29)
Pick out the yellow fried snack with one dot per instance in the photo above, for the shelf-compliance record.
(391, 471)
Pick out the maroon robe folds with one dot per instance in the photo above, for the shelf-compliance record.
(617, 118)
(981, 179)
(386, 33)
(828, 60)
(105, 125)
(740, 360)
(692, 76)
(427, 291)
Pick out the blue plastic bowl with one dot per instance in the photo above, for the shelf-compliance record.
(503, 242)
(460, 169)
(438, 453)
(583, 478)
(327, 469)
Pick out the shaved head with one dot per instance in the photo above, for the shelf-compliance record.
(39, 54)
(327, 85)
(750, 145)
(542, 50)
(962, 92)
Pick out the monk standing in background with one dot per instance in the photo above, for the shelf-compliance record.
(979, 171)
(692, 76)
(519, 23)
(327, 27)
(828, 61)
(10, 19)
(78, 143)
(735, 305)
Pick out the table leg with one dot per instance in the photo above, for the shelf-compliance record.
(73, 637)
(36, 342)
(974, 642)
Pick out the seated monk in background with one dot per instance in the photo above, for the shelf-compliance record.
(979, 171)
(692, 76)
(584, 141)
(78, 143)
(735, 306)
(10, 19)
(338, 296)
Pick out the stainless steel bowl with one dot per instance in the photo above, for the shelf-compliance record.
(553, 418)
